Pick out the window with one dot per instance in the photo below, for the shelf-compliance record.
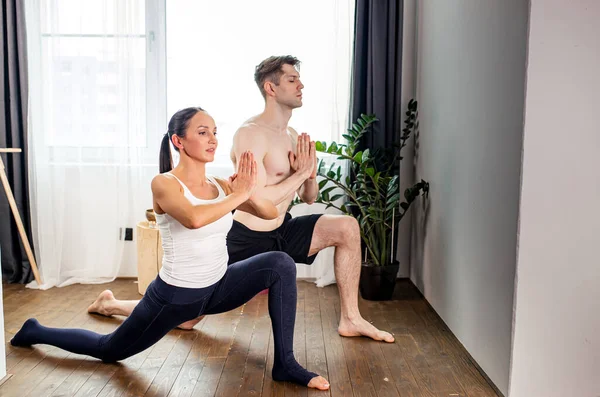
(98, 65)
(213, 48)
(112, 72)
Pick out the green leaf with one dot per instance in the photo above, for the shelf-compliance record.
(376, 178)
(393, 184)
(322, 183)
(370, 171)
(320, 146)
(394, 198)
(358, 157)
(389, 208)
(333, 147)
(328, 190)
(331, 174)
(336, 197)
(331, 167)
(365, 156)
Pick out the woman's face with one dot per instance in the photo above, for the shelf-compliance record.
(200, 142)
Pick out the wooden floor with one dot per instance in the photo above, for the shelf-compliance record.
(231, 354)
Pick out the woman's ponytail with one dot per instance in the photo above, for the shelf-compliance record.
(165, 164)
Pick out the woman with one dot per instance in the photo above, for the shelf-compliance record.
(193, 213)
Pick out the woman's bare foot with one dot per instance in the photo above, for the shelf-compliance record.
(318, 383)
(190, 324)
(102, 304)
(361, 327)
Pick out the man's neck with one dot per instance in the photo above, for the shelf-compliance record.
(276, 116)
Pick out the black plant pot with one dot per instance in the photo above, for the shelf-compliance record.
(377, 282)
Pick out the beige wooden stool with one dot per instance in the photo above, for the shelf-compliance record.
(149, 255)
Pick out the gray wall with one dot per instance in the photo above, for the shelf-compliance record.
(407, 171)
(470, 85)
(556, 348)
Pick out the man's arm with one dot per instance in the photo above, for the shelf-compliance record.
(248, 138)
(309, 191)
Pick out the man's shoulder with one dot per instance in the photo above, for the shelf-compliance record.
(250, 129)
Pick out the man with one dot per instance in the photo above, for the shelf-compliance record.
(286, 165)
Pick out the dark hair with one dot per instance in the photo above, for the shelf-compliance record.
(270, 70)
(177, 126)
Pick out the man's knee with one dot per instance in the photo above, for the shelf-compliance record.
(349, 230)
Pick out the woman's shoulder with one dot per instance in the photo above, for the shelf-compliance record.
(164, 181)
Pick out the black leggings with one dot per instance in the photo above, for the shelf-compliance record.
(164, 307)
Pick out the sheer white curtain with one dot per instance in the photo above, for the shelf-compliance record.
(93, 148)
(214, 46)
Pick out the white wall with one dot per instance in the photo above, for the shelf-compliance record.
(556, 348)
(471, 74)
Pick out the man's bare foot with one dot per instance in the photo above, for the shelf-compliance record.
(190, 324)
(362, 327)
(318, 383)
(101, 304)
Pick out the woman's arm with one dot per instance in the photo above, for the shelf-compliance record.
(257, 206)
(166, 192)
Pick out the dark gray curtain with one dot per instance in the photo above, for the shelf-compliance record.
(13, 134)
(377, 69)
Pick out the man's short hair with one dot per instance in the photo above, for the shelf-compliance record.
(270, 70)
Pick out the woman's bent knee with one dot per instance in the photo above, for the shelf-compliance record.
(282, 263)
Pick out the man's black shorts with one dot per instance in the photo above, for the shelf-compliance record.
(292, 237)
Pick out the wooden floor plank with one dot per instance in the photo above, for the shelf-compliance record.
(316, 360)
(164, 380)
(256, 364)
(235, 363)
(395, 355)
(337, 365)
(187, 378)
(208, 381)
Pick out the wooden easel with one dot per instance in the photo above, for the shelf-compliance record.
(15, 211)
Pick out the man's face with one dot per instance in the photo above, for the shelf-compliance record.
(289, 90)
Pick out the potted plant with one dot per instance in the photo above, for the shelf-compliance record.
(371, 194)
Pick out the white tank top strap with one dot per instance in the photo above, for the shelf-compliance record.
(179, 180)
(211, 180)
(218, 185)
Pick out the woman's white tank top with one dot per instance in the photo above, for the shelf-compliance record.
(194, 258)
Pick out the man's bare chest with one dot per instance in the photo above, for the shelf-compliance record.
(276, 161)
